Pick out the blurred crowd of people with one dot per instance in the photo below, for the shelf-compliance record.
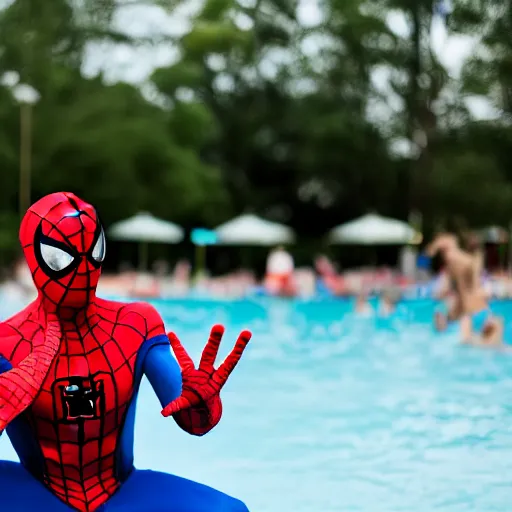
(461, 285)
(282, 278)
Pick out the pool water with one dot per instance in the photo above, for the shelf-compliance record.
(328, 412)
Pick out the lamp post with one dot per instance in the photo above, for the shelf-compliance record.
(27, 97)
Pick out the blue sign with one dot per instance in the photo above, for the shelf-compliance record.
(424, 262)
(201, 236)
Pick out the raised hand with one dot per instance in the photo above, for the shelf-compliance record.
(201, 387)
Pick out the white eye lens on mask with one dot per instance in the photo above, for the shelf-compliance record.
(55, 258)
(98, 253)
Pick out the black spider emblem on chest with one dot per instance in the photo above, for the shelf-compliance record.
(81, 398)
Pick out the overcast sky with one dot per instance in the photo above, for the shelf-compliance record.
(121, 62)
(134, 65)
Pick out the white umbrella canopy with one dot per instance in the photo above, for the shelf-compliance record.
(249, 229)
(144, 227)
(494, 234)
(373, 229)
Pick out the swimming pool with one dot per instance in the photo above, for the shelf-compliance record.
(332, 413)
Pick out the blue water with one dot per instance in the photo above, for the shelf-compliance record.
(328, 412)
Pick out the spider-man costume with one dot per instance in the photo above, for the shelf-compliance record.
(71, 366)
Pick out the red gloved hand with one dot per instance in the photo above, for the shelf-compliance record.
(199, 407)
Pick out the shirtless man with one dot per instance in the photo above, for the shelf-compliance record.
(478, 325)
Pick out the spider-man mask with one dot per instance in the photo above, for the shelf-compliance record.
(64, 246)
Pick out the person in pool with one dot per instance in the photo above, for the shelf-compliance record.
(478, 324)
(450, 309)
(481, 328)
(362, 305)
(388, 301)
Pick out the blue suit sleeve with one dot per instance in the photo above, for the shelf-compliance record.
(163, 372)
(5, 365)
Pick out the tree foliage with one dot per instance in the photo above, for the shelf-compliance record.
(264, 111)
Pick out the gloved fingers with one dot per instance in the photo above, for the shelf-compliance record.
(229, 364)
(211, 349)
(184, 360)
(176, 405)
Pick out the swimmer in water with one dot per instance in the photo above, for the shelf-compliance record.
(362, 306)
(388, 302)
(450, 309)
(479, 326)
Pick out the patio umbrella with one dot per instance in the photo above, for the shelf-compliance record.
(374, 229)
(144, 228)
(249, 229)
(494, 234)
